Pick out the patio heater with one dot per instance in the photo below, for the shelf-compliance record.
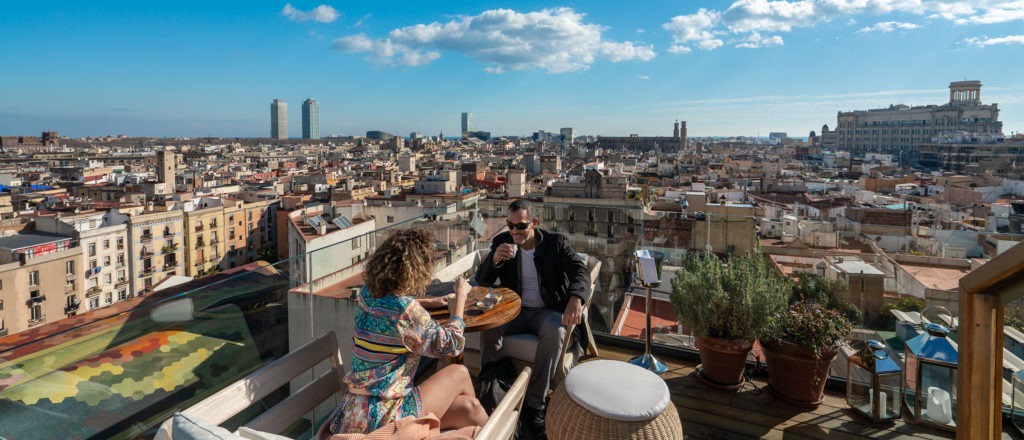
(648, 274)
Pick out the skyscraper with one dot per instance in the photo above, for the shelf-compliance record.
(467, 124)
(310, 119)
(279, 119)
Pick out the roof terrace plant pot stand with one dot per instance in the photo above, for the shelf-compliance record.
(795, 375)
(722, 362)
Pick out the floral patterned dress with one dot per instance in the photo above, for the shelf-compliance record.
(391, 334)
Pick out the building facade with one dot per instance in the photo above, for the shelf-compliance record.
(104, 254)
(40, 280)
(900, 130)
(155, 247)
(278, 119)
(467, 124)
(310, 119)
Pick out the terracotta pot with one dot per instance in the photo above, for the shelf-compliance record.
(795, 375)
(722, 362)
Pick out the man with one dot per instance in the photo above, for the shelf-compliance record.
(543, 268)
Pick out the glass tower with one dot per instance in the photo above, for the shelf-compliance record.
(310, 119)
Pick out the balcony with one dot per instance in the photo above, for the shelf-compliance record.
(200, 245)
(147, 270)
(262, 300)
(199, 228)
(146, 238)
(94, 290)
(170, 266)
(121, 282)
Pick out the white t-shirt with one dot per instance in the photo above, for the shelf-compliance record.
(530, 280)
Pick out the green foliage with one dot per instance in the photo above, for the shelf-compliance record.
(732, 301)
(819, 290)
(885, 320)
(1013, 316)
(812, 326)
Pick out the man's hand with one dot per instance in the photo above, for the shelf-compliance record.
(573, 312)
(504, 252)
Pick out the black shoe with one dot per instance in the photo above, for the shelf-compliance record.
(533, 420)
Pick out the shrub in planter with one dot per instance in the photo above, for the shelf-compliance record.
(726, 306)
(799, 347)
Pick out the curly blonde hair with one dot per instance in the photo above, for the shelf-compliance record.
(403, 264)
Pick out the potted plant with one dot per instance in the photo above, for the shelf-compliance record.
(726, 306)
(799, 348)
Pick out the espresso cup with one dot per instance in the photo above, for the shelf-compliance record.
(515, 249)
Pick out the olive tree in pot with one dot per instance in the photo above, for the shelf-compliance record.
(799, 347)
(726, 306)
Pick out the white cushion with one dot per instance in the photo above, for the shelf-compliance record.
(186, 427)
(638, 394)
(253, 434)
(521, 347)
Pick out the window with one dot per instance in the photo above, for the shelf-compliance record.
(33, 278)
(109, 298)
(120, 242)
(107, 278)
(355, 243)
(106, 260)
(92, 249)
(92, 265)
(36, 307)
(70, 283)
(106, 244)
(122, 295)
(69, 267)
(391, 219)
(120, 259)
(94, 302)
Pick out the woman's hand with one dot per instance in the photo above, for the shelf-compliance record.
(436, 302)
(462, 289)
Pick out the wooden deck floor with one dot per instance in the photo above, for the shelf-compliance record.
(753, 412)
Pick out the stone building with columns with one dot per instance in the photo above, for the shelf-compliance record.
(900, 130)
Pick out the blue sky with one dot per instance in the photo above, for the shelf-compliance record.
(747, 67)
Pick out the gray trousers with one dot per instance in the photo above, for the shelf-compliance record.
(547, 325)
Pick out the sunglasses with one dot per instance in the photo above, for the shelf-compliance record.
(520, 226)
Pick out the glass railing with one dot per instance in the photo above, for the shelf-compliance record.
(118, 372)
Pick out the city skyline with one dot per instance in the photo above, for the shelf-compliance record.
(748, 67)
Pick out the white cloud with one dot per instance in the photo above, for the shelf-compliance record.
(985, 41)
(744, 22)
(889, 26)
(696, 28)
(322, 14)
(555, 40)
(361, 20)
(755, 40)
(643, 77)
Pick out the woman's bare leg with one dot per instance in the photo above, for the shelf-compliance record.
(449, 395)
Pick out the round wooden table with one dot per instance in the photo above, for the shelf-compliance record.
(479, 320)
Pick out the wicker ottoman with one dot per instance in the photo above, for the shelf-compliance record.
(612, 400)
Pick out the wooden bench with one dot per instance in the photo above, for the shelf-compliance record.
(238, 396)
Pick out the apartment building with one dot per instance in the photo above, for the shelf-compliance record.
(204, 237)
(41, 280)
(155, 241)
(249, 231)
(104, 253)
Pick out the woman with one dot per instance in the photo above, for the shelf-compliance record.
(392, 331)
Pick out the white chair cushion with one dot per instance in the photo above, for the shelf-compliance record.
(522, 347)
(253, 434)
(185, 427)
(638, 394)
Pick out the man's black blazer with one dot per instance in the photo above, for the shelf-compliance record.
(562, 273)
